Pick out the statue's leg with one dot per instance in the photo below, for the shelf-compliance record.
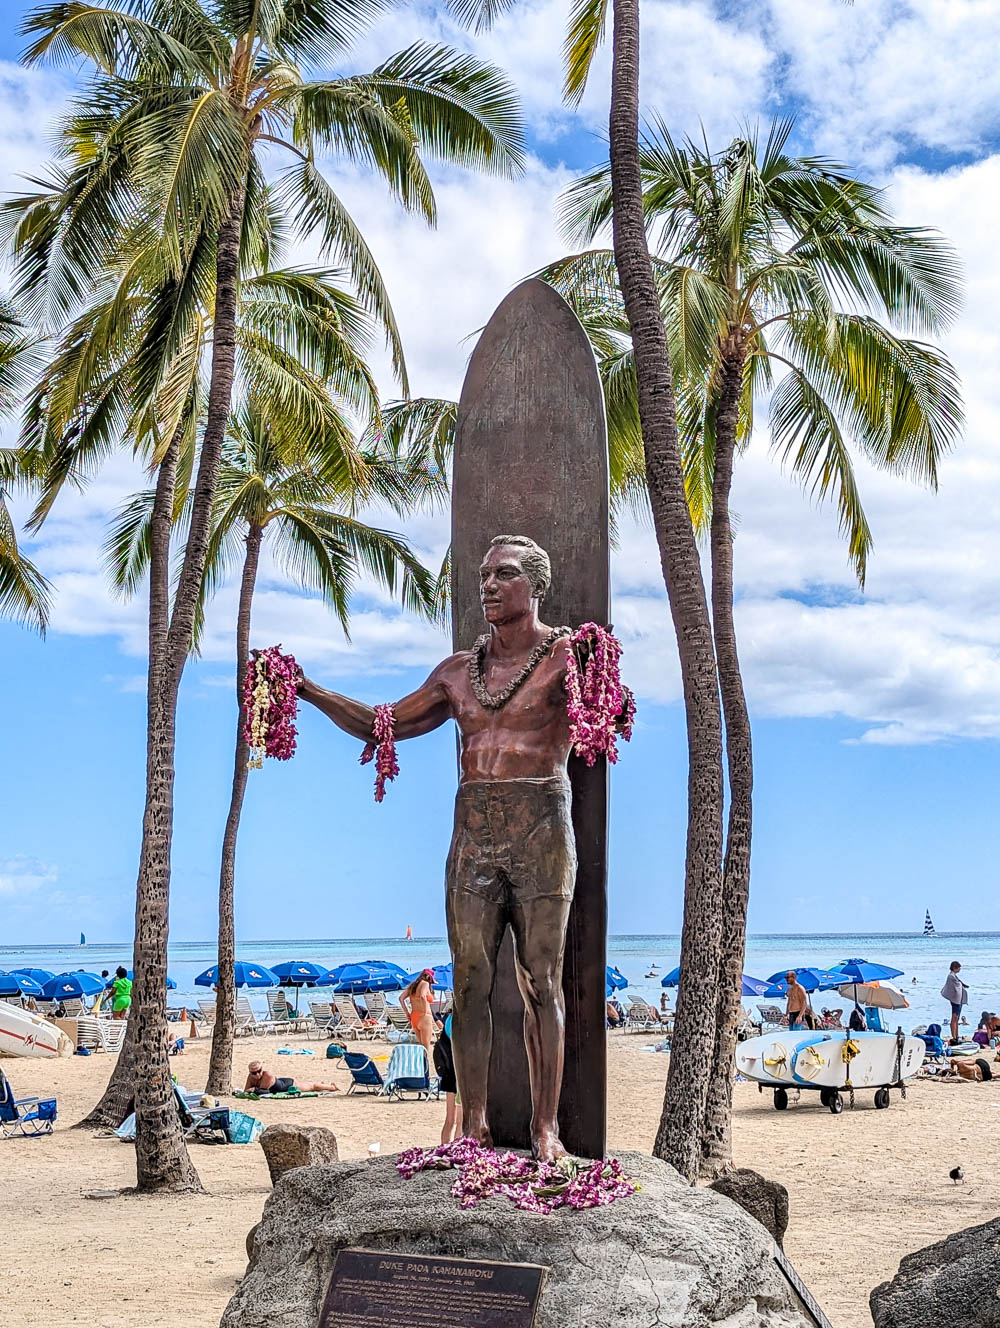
(539, 927)
(475, 930)
(475, 900)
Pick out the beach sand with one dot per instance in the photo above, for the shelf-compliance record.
(865, 1187)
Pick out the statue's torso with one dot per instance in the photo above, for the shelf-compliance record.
(526, 738)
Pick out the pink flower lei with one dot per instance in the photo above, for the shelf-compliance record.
(598, 704)
(537, 1187)
(270, 704)
(382, 748)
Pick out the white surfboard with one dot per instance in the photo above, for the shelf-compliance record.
(25, 1034)
(767, 1059)
(867, 1060)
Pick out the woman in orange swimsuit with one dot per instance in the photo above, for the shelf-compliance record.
(416, 1002)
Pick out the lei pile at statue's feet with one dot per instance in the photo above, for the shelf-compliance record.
(537, 1187)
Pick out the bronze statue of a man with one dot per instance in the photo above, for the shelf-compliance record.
(513, 855)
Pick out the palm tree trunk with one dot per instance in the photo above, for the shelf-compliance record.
(220, 1067)
(118, 1098)
(717, 1143)
(678, 1138)
(162, 1160)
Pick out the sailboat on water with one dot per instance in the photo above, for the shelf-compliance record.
(928, 925)
(409, 932)
(83, 939)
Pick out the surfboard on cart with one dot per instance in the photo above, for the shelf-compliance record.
(767, 1059)
(25, 1034)
(858, 1060)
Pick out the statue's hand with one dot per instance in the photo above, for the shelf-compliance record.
(301, 681)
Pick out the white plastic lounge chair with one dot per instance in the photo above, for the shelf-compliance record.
(111, 1033)
(772, 1015)
(399, 1024)
(376, 1005)
(281, 1018)
(207, 1009)
(323, 1018)
(350, 1024)
(247, 1023)
(641, 1017)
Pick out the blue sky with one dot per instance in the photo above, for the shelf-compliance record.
(876, 716)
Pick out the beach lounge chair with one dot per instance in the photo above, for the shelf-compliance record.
(399, 1025)
(350, 1024)
(247, 1023)
(27, 1116)
(377, 1007)
(772, 1015)
(365, 1077)
(111, 1034)
(207, 1009)
(281, 1018)
(409, 1072)
(641, 1017)
(323, 1018)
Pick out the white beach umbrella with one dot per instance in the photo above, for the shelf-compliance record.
(875, 995)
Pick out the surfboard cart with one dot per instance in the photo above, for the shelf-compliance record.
(833, 1063)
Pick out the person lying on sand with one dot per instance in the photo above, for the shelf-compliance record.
(261, 1080)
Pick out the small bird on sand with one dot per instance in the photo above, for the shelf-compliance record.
(957, 1174)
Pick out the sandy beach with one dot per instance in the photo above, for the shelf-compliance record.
(865, 1188)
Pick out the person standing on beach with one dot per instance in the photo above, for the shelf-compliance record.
(797, 1001)
(957, 994)
(121, 994)
(416, 1001)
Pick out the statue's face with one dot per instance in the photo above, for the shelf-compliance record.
(505, 591)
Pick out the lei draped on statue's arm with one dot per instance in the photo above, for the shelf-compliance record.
(599, 705)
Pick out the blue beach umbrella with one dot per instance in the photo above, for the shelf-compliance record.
(302, 973)
(13, 983)
(813, 979)
(750, 986)
(92, 983)
(71, 987)
(369, 975)
(246, 975)
(860, 970)
(39, 975)
(171, 984)
(614, 979)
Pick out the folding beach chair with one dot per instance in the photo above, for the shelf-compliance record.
(27, 1116)
(409, 1072)
(365, 1077)
(772, 1015)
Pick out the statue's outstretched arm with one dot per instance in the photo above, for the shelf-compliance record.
(423, 710)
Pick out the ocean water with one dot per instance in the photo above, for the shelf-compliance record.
(925, 959)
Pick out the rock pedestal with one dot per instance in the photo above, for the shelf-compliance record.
(668, 1255)
(763, 1199)
(953, 1284)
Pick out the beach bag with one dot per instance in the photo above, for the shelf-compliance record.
(243, 1129)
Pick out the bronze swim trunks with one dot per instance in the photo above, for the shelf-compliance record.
(513, 840)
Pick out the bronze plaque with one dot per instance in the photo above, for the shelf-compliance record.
(370, 1287)
(531, 458)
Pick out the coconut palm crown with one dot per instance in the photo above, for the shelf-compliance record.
(780, 268)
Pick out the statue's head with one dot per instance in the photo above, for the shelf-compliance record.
(513, 578)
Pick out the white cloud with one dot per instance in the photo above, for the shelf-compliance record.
(22, 876)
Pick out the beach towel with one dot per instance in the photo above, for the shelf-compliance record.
(257, 1096)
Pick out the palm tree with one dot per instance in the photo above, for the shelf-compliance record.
(186, 103)
(24, 592)
(757, 249)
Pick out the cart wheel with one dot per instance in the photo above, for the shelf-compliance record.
(780, 1099)
(836, 1102)
(824, 1095)
(882, 1099)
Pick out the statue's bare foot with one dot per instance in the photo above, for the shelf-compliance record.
(547, 1146)
(475, 1127)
